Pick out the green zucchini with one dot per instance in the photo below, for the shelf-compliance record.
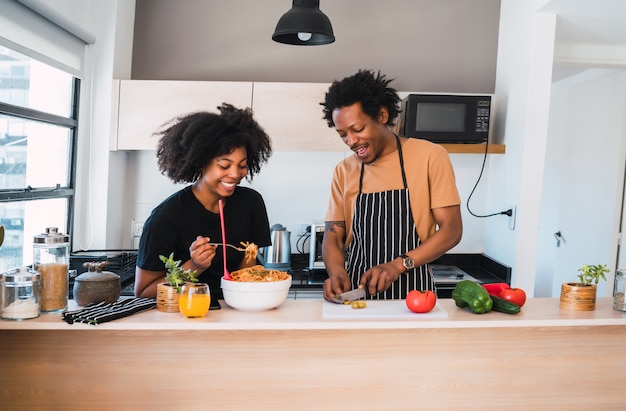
(504, 306)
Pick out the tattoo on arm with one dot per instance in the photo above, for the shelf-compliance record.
(333, 225)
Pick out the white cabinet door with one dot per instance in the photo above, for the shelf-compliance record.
(145, 105)
(292, 116)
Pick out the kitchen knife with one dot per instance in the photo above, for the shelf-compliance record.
(355, 294)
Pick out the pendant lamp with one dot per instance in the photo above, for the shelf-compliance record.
(304, 25)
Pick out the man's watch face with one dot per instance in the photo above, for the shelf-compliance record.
(408, 262)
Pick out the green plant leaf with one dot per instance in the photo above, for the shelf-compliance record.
(175, 275)
(592, 273)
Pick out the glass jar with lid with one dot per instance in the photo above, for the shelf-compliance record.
(51, 253)
(20, 294)
(619, 291)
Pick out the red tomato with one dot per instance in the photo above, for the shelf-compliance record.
(421, 302)
(515, 295)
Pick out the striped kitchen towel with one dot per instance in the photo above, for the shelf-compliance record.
(98, 313)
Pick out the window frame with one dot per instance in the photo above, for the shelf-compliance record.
(41, 193)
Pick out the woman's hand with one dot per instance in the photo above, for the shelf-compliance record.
(202, 253)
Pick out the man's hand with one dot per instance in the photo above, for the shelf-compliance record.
(380, 277)
(336, 284)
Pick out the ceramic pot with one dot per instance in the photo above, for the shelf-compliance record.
(167, 298)
(576, 296)
(95, 287)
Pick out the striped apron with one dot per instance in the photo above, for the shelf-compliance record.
(383, 229)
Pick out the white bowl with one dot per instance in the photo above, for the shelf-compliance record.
(255, 295)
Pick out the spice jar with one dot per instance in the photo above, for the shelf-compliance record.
(51, 252)
(19, 294)
(619, 290)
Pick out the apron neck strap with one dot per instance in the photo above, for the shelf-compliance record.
(401, 166)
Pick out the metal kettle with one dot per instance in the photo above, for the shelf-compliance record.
(278, 255)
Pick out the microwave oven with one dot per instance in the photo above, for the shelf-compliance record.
(447, 118)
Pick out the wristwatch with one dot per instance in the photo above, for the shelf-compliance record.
(407, 261)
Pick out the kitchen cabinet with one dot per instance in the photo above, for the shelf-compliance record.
(142, 106)
(291, 358)
(292, 116)
(290, 113)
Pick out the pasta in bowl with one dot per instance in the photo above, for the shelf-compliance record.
(256, 288)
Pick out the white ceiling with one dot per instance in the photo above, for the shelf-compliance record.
(597, 22)
(597, 27)
(593, 30)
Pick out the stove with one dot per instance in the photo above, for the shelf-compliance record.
(449, 274)
(121, 262)
(442, 274)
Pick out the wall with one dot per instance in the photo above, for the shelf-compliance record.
(526, 63)
(296, 187)
(586, 145)
(426, 45)
(300, 196)
(99, 194)
(525, 59)
(114, 187)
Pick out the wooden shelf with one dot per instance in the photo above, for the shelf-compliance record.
(474, 148)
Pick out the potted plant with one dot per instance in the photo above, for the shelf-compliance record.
(176, 276)
(581, 295)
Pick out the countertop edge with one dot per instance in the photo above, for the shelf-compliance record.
(307, 315)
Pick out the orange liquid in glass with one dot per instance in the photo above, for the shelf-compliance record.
(194, 305)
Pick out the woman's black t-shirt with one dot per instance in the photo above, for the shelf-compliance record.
(175, 223)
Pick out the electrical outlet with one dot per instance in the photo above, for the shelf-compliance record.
(303, 229)
(136, 228)
(512, 218)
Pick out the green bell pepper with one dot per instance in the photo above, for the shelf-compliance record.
(470, 294)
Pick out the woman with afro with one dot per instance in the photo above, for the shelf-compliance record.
(214, 152)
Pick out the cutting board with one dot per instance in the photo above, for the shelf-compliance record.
(379, 309)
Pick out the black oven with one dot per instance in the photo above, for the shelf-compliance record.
(446, 277)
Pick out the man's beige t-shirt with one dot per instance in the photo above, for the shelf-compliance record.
(430, 180)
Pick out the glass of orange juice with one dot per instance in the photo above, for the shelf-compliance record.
(194, 300)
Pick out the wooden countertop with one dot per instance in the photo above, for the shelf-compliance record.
(292, 358)
(307, 315)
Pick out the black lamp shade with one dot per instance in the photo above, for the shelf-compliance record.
(304, 25)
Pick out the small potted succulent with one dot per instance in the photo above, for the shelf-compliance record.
(176, 276)
(581, 295)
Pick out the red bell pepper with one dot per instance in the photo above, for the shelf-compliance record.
(495, 288)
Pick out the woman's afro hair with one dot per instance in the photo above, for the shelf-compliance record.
(190, 142)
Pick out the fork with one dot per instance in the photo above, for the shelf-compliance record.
(229, 245)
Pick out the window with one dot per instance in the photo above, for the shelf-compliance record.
(38, 121)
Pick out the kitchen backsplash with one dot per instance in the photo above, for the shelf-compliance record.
(296, 187)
